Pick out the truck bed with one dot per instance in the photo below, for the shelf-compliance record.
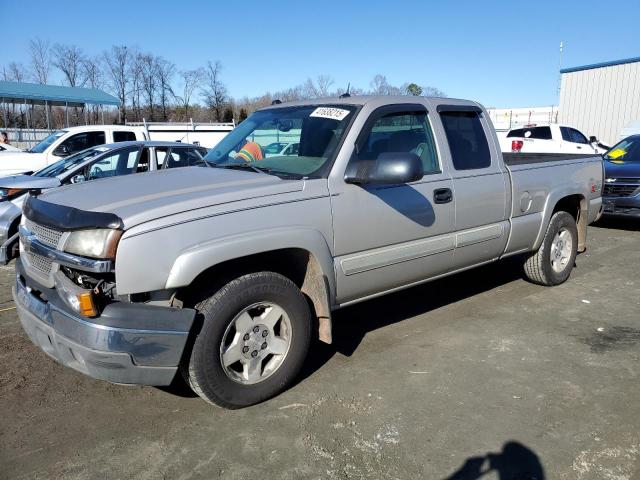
(513, 159)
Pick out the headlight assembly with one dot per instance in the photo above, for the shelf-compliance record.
(100, 243)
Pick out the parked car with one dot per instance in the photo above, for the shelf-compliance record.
(223, 274)
(281, 148)
(551, 138)
(622, 178)
(7, 148)
(102, 161)
(62, 143)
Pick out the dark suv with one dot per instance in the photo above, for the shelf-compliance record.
(622, 178)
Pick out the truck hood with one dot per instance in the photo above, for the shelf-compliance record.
(147, 196)
(20, 162)
(621, 169)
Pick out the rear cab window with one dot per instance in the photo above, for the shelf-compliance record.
(466, 137)
(538, 133)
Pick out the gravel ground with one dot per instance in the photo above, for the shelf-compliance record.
(478, 375)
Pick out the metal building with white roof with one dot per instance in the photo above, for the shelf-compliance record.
(601, 99)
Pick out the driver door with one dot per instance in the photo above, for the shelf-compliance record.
(388, 236)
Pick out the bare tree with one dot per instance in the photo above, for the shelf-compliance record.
(433, 92)
(214, 91)
(191, 80)
(135, 76)
(94, 78)
(379, 85)
(166, 70)
(92, 72)
(68, 59)
(117, 61)
(323, 84)
(149, 80)
(15, 72)
(40, 60)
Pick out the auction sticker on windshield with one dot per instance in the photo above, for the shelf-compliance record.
(330, 112)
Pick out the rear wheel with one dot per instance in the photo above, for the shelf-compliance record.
(254, 339)
(552, 263)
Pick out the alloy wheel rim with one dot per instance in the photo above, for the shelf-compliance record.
(561, 249)
(255, 343)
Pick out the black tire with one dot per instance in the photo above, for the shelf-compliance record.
(205, 372)
(538, 266)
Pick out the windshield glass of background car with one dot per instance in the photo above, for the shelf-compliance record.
(68, 163)
(44, 144)
(628, 150)
(293, 141)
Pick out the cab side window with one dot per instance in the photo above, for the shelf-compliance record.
(401, 132)
(467, 140)
(81, 141)
(577, 137)
(124, 136)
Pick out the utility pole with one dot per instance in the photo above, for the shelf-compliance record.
(560, 68)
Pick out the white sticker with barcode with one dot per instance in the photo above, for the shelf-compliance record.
(330, 112)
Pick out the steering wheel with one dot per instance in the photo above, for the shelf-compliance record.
(97, 171)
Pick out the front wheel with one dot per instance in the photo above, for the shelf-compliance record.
(254, 339)
(552, 263)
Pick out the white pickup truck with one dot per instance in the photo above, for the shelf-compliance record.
(551, 138)
(68, 141)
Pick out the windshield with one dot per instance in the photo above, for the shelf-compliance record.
(628, 150)
(68, 163)
(261, 141)
(44, 144)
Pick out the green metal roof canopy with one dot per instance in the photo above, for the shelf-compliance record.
(33, 93)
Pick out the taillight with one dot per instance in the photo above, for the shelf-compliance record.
(516, 145)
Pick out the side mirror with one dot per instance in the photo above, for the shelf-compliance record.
(78, 178)
(390, 168)
(593, 139)
(61, 151)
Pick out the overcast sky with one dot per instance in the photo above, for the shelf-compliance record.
(503, 54)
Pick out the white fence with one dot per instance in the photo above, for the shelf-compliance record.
(23, 138)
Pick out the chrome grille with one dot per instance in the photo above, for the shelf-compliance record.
(39, 263)
(46, 235)
(617, 190)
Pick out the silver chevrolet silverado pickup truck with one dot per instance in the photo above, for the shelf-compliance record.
(224, 275)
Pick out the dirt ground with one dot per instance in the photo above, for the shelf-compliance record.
(478, 375)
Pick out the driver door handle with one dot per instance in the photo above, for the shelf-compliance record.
(442, 195)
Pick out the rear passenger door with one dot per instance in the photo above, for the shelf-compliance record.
(480, 186)
(387, 236)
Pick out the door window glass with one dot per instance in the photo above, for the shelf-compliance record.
(121, 162)
(577, 137)
(123, 136)
(81, 141)
(467, 140)
(402, 132)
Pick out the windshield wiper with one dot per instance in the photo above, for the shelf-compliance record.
(242, 166)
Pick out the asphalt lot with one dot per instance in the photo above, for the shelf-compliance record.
(481, 372)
